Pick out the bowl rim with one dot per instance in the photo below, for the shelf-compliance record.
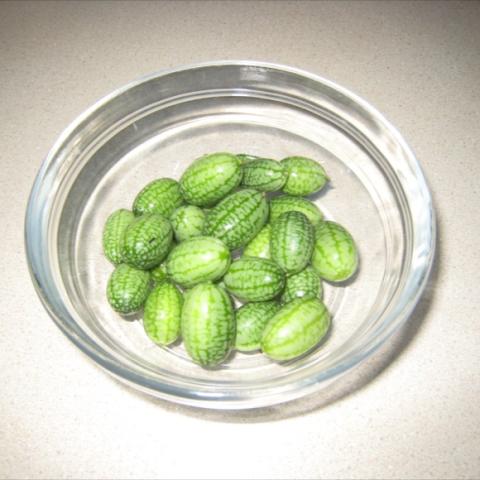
(219, 401)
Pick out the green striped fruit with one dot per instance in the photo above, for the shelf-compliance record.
(197, 260)
(264, 174)
(159, 274)
(237, 218)
(162, 313)
(161, 196)
(187, 222)
(127, 289)
(209, 178)
(254, 279)
(208, 324)
(305, 176)
(288, 203)
(335, 256)
(304, 284)
(295, 329)
(113, 232)
(251, 320)
(147, 241)
(245, 158)
(292, 241)
(260, 245)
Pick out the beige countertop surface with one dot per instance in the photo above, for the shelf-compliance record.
(413, 410)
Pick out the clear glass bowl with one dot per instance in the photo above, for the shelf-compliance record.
(155, 127)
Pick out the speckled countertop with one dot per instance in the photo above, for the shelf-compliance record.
(410, 412)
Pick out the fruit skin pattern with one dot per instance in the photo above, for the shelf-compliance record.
(161, 196)
(237, 218)
(264, 174)
(197, 260)
(127, 289)
(335, 255)
(187, 222)
(260, 245)
(292, 241)
(208, 324)
(113, 232)
(295, 329)
(147, 241)
(305, 284)
(210, 178)
(305, 176)
(254, 279)
(162, 313)
(251, 319)
(288, 203)
(159, 274)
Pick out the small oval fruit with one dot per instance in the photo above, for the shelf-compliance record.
(260, 245)
(187, 222)
(305, 176)
(127, 289)
(251, 319)
(288, 203)
(162, 313)
(254, 279)
(264, 174)
(210, 178)
(197, 260)
(304, 284)
(292, 241)
(113, 232)
(237, 218)
(161, 196)
(335, 255)
(295, 329)
(147, 241)
(208, 324)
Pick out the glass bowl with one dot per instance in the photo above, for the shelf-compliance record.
(155, 127)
